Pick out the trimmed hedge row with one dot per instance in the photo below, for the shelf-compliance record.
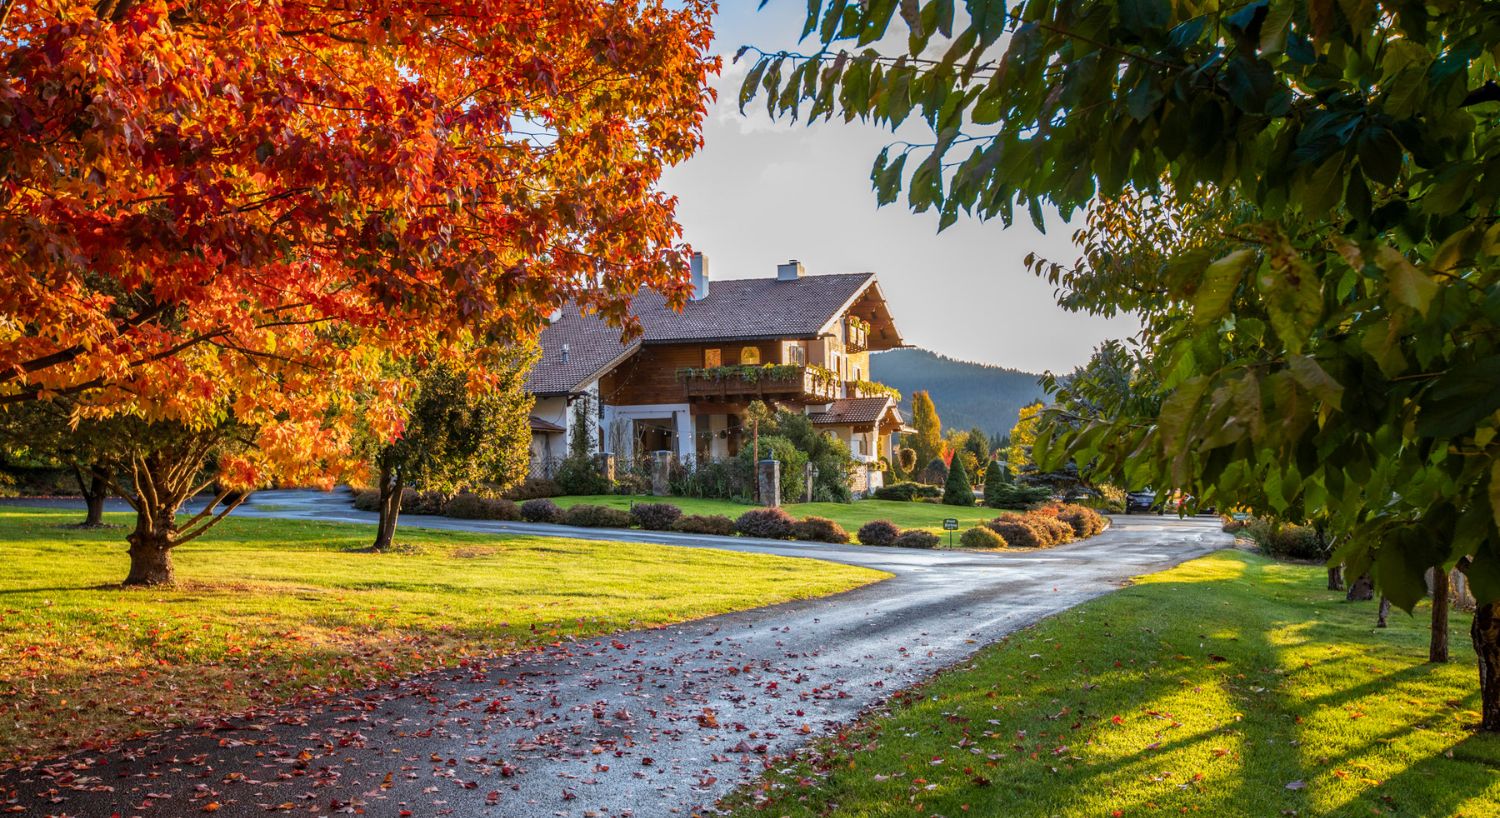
(1042, 528)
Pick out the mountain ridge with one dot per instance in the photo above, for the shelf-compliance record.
(966, 393)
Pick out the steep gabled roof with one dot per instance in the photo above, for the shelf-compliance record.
(734, 310)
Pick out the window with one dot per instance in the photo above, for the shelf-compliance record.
(712, 358)
(750, 356)
(795, 354)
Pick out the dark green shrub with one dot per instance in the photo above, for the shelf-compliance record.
(631, 483)
(585, 515)
(819, 529)
(917, 538)
(715, 524)
(1290, 542)
(1013, 496)
(579, 474)
(1230, 527)
(655, 516)
(878, 532)
(534, 488)
(367, 499)
(540, 510)
(982, 538)
(995, 477)
(1017, 531)
(422, 502)
(907, 492)
(956, 489)
(1084, 521)
(766, 523)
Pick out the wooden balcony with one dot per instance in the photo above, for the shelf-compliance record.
(784, 383)
(856, 334)
(870, 389)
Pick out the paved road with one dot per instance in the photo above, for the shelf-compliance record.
(649, 723)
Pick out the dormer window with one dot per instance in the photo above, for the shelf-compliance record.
(750, 356)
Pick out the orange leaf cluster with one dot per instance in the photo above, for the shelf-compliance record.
(220, 209)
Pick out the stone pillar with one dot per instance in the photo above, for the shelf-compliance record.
(809, 474)
(605, 463)
(768, 477)
(661, 470)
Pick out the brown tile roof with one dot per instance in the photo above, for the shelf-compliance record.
(733, 310)
(592, 346)
(854, 411)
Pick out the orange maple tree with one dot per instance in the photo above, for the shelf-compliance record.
(226, 214)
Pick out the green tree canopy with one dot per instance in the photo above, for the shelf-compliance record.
(1338, 353)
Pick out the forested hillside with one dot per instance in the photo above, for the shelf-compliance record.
(967, 394)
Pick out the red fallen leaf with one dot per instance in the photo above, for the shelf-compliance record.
(507, 770)
(1117, 720)
(569, 795)
(492, 797)
(647, 761)
(211, 806)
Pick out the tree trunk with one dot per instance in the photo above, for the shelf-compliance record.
(1437, 649)
(1336, 578)
(151, 549)
(94, 486)
(1485, 634)
(1361, 590)
(390, 508)
(1385, 611)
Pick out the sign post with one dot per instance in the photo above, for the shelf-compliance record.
(950, 525)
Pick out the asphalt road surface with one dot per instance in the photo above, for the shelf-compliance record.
(650, 723)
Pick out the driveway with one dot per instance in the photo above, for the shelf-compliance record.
(649, 723)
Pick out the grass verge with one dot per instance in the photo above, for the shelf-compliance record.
(1229, 686)
(927, 516)
(271, 610)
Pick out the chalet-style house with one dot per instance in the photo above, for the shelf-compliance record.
(795, 341)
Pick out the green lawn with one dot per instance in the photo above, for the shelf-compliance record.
(851, 516)
(1230, 686)
(269, 610)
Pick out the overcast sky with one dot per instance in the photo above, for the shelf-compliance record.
(763, 192)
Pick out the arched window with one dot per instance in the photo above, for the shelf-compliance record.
(750, 356)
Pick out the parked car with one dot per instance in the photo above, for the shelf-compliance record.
(1141, 500)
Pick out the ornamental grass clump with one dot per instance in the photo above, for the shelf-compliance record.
(981, 539)
(1054, 531)
(1084, 521)
(1018, 531)
(766, 523)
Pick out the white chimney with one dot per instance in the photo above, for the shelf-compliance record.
(699, 266)
(790, 271)
(565, 353)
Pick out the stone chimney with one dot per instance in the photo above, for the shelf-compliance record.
(790, 271)
(699, 266)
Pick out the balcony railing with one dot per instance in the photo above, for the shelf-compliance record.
(871, 389)
(783, 382)
(856, 334)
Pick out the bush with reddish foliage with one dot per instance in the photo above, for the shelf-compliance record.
(534, 488)
(917, 538)
(715, 524)
(981, 538)
(766, 523)
(655, 516)
(540, 510)
(1085, 521)
(819, 529)
(469, 506)
(878, 532)
(591, 516)
(1018, 531)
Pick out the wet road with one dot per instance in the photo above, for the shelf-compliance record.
(649, 723)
